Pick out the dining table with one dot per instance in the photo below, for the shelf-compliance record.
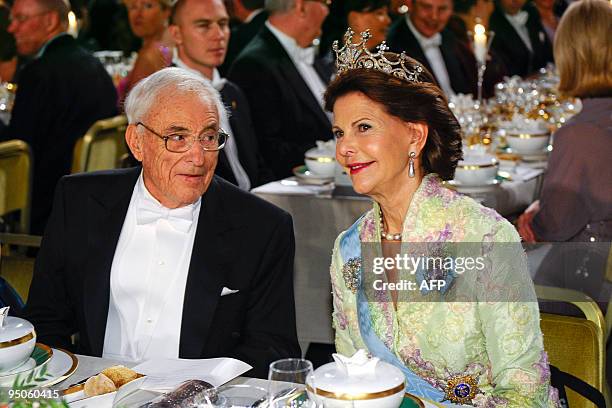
(89, 366)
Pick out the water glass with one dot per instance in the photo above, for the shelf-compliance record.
(287, 380)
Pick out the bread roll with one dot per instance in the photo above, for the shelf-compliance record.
(120, 375)
(98, 385)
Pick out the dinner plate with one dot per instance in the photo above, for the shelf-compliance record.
(61, 366)
(307, 177)
(41, 355)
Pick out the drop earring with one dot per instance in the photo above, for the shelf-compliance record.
(412, 155)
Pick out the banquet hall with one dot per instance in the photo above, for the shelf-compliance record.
(342, 143)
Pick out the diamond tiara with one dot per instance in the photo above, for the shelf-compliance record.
(354, 56)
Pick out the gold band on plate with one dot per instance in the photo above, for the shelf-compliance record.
(476, 166)
(25, 338)
(527, 135)
(321, 159)
(356, 397)
(71, 370)
(414, 399)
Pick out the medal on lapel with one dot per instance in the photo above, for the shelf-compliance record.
(461, 389)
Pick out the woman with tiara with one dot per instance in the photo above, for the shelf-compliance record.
(462, 332)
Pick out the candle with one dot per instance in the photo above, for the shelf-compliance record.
(73, 29)
(480, 43)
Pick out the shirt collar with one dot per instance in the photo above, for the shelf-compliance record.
(424, 42)
(217, 81)
(44, 47)
(519, 19)
(143, 194)
(296, 52)
(251, 16)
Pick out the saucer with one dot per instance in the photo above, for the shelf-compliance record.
(473, 189)
(57, 365)
(307, 177)
(38, 359)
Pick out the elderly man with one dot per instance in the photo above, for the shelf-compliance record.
(520, 39)
(423, 35)
(171, 260)
(284, 84)
(200, 31)
(60, 94)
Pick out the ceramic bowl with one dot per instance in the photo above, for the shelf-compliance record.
(334, 389)
(17, 341)
(476, 170)
(527, 142)
(323, 166)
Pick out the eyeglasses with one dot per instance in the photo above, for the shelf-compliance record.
(210, 140)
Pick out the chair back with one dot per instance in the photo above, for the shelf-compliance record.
(575, 344)
(102, 147)
(16, 181)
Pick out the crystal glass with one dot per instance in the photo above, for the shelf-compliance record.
(287, 381)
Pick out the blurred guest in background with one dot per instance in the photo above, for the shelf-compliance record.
(546, 9)
(8, 50)
(398, 140)
(60, 94)
(284, 83)
(576, 200)
(520, 39)
(468, 13)
(252, 16)
(359, 15)
(148, 21)
(423, 35)
(200, 30)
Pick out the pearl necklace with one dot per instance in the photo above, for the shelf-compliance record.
(387, 236)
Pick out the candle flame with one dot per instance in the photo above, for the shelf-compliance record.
(480, 30)
(72, 24)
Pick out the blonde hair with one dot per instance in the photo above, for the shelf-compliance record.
(583, 51)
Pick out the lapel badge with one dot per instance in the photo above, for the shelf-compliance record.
(234, 105)
(350, 272)
(461, 390)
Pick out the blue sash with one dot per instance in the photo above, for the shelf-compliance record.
(350, 247)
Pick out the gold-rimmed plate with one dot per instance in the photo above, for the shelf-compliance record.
(41, 355)
(61, 366)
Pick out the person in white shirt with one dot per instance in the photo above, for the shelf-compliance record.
(423, 35)
(166, 260)
(200, 30)
(520, 39)
(284, 83)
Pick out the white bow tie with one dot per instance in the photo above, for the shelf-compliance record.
(148, 212)
(519, 18)
(433, 41)
(305, 55)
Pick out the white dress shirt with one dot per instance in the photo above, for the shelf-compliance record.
(303, 58)
(431, 49)
(148, 278)
(231, 149)
(519, 22)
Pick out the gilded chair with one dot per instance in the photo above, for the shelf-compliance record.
(575, 344)
(102, 147)
(17, 268)
(16, 181)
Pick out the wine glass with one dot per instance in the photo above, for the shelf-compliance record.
(287, 382)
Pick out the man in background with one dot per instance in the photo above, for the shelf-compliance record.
(251, 16)
(285, 84)
(423, 35)
(61, 92)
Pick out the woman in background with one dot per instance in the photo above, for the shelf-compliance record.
(576, 200)
(149, 22)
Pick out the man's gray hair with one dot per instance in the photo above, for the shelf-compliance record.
(142, 97)
(279, 6)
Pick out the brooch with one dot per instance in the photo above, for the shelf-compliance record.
(461, 390)
(351, 271)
